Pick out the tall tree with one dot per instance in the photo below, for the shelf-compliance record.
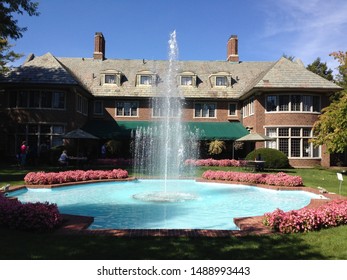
(321, 69)
(9, 28)
(331, 127)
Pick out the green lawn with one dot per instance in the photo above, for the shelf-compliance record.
(325, 244)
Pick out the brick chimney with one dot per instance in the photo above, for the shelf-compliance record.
(232, 49)
(99, 46)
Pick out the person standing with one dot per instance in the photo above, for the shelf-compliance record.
(23, 153)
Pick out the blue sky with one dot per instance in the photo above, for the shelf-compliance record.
(136, 29)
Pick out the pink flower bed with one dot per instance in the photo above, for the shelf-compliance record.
(215, 162)
(28, 216)
(279, 179)
(43, 178)
(331, 214)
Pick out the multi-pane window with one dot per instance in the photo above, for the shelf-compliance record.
(293, 141)
(127, 109)
(37, 99)
(110, 79)
(293, 103)
(98, 107)
(146, 80)
(205, 110)
(248, 107)
(173, 111)
(82, 104)
(221, 81)
(232, 109)
(283, 102)
(186, 80)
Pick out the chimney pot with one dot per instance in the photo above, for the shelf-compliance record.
(232, 49)
(99, 46)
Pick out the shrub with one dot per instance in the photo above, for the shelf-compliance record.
(279, 179)
(274, 159)
(28, 216)
(43, 178)
(331, 214)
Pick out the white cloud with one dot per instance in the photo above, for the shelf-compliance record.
(309, 29)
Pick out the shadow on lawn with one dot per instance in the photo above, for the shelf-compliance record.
(25, 246)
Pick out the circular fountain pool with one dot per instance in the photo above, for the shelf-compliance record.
(206, 205)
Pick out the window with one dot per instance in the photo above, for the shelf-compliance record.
(205, 110)
(232, 109)
(126, 109)
(98, 107)
(186, 80)
(271, 103)
(283, 101)
(221, 81)
(58, 100)
(37, 99)
(293, 103)
(110, 79)
(82, 104)
(174, 110)
(34, 99)
(23, 99)
(145, 80)
(293, 141)
(248, 107)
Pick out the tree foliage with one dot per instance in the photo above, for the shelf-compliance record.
(216, 147)
(321, 69)
(331, 127)
(9, 28)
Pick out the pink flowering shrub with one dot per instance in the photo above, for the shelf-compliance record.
(279, 179)
(43, 178)
(330, 214)
(28, 216)
(215, 162)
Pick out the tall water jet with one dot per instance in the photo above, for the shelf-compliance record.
(161, 149)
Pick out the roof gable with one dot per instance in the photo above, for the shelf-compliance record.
(44, 69)
(287, 74)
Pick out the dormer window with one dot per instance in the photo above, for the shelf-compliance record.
(146, 78)
(111, 77)
(220, 79)
(187, 79)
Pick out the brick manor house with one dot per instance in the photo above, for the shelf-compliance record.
(48, 96)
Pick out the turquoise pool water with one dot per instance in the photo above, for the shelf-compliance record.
(113, 206)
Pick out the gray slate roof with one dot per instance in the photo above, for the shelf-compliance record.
(283, 74)
(44, 69)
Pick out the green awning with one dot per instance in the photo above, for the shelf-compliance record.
(110, 129)
(218, 130)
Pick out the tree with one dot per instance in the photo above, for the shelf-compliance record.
(9, 28)
(321, 69)
(341, 77)
(289, 57)
(216, 147)
(331, 127)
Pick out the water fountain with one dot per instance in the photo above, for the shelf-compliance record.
(160, 150)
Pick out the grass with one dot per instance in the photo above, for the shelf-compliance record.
(322, 245)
